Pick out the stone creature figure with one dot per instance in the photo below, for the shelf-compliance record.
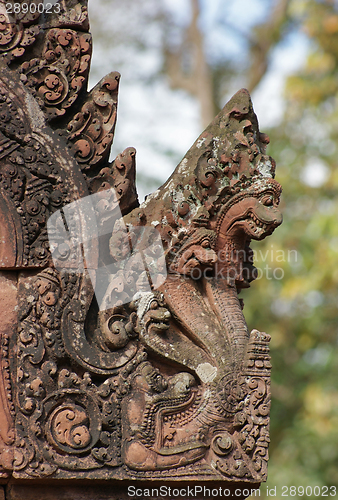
(221, 196)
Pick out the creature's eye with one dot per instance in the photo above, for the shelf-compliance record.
(267, 200)
(205, 244)
(183, 208)
(154, 305)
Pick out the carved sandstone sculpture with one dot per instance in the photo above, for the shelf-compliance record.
(131, 355)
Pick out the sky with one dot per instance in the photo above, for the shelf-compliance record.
(161, 123)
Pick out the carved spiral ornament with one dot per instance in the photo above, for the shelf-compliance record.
(222, 444)
(72, 424)
(10, 34)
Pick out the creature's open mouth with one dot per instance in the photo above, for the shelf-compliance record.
(157, 319)
(256, 226)
(160, 325)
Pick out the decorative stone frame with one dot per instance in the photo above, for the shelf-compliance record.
(157, 379)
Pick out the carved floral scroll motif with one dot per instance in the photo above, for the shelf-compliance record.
(33, 176)
(49, 51)
(159, 377)
(57, 79)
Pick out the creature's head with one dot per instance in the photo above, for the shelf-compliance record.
(221, 195)
(151, 312)
(251, 214)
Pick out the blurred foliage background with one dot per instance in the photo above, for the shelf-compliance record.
(199, 53)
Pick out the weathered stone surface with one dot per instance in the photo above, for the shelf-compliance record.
(132, 360)
(8, 327)
(37, 177)
(168, 384)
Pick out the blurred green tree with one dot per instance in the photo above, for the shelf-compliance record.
(300, 310)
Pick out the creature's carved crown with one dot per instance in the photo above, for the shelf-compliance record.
(228, 158)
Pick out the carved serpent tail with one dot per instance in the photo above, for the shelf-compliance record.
(224, 341)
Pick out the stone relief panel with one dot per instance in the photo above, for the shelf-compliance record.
(133, 359)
